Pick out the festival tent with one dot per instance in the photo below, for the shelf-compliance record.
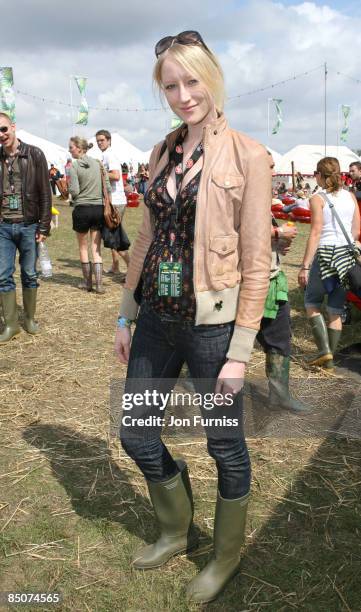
(124, 150)
(277, 157)
(305, 158)
(55, 154)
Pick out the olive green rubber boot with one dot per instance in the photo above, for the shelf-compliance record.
(278, 374)
(334, 336)
(228, 537)
(10, 312)
(29, 302)
(173, 506)
(319, 331)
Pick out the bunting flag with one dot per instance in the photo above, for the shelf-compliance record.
(346, 110)
(175, 123)
(279, 118)
(7, 95)
(83, 111)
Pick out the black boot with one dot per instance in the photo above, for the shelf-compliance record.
(173, 506)
(98, 274)
(319, 331)
(278, 374)
(10, 311)
(29, 303)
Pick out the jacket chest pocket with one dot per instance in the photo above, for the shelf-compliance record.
(228, 181)
(223, 255)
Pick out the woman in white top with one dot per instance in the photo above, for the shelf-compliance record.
(327, 258)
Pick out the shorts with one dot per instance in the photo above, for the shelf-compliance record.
(88, 216)
(315, 292)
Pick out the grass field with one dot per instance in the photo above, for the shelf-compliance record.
(73, 507)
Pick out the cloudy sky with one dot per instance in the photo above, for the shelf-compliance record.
(259, 43)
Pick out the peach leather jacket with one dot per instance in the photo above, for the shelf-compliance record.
(232, 244)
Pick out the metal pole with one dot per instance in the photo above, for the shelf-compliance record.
(71, 103)
(325, 135)
(268, 116)
(338, 126)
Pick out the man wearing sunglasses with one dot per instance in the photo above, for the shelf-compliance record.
(25, 216)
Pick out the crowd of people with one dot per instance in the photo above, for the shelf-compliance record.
(203, 282)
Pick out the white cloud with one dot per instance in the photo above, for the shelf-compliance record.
(258, 43)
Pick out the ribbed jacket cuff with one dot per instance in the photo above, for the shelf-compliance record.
(128, 306)
(242, 343)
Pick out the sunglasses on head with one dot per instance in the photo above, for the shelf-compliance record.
(188, 37)
(4, 129)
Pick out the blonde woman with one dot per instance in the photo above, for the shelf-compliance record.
(203, 257)
(327, 258)
(86, 190)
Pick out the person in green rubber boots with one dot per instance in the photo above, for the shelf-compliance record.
(25, 216)
(201, 264)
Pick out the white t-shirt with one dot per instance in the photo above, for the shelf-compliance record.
(111, 162)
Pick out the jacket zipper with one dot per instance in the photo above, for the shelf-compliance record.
(195, 258)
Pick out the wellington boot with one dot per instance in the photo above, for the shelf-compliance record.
(10, 312)
(173, 506)
(319, 331)
(278, 372)
(98, 273)
(228, 537)
(334, 336)
(29, 302)
(87, 283)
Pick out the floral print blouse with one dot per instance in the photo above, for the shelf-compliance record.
(161, 207)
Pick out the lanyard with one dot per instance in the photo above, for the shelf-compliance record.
(10, 169)
(177, 158)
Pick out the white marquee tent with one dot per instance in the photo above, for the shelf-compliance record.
(305, 158)
(55, 154)
(277, 157)
(124, 150)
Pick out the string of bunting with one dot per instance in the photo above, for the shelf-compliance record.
(149, 110)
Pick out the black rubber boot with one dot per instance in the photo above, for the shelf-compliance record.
(228, 537)
(278, 374)
(29, 303)
(319, 331)
(173, 506)
(98, 274)
(87, 283)
(10, 312)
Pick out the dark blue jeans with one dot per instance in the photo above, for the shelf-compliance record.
(158, 351)
(21, 237)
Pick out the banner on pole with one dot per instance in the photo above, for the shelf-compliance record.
(279, 117)
(7, 94)
(83, 111)
(346, 111)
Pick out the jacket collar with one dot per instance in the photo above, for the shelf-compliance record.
(23, 150)
(210, 131)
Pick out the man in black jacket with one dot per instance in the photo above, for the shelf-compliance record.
(25, 216)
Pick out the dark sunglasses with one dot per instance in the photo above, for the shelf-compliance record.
(316, 172)
(189, 37)
(4, 129)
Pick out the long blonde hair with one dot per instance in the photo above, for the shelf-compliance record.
(199, 62)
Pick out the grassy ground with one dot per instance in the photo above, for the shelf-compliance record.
(73, 507)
